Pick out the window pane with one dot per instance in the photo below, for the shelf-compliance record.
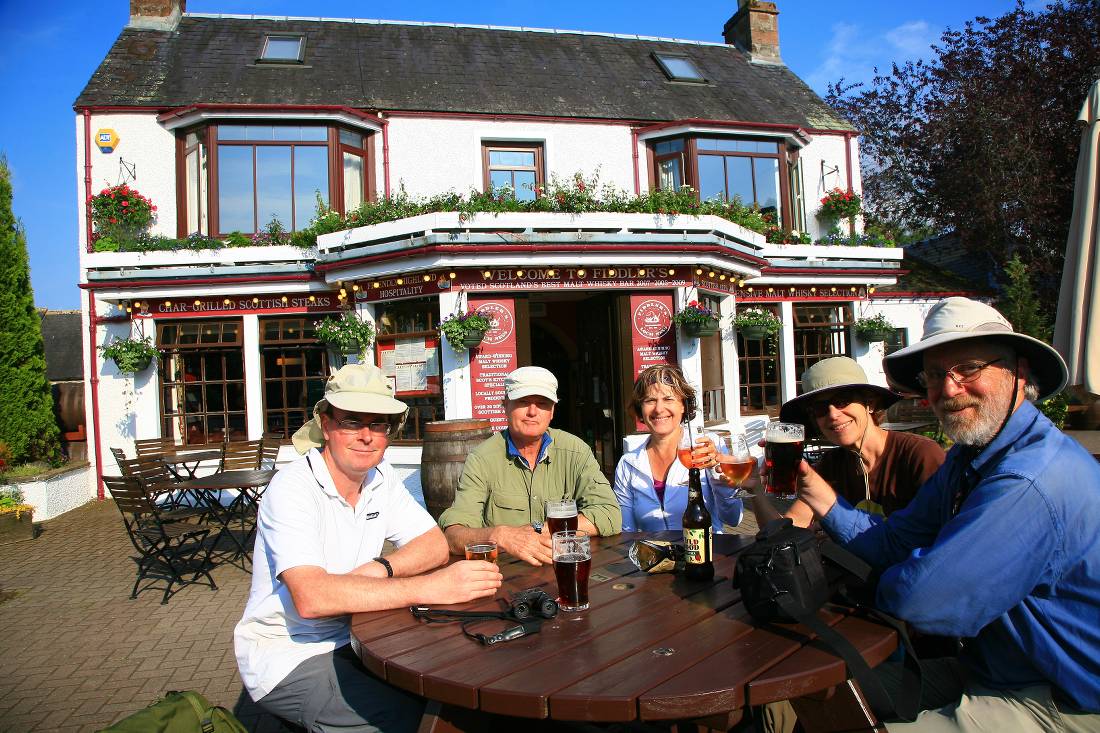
(273, 185)
(739, 179)
(213, 366)
(680, 68)
(310, 181)
(516, 158)
(347, 137)
(236, 206)
(669, 173)
(712, 178)
(500, 179)
(193, 200)
(295, 133)
(259, 133)
(282, 49)
(353, 181)
(767, 184)
(669, 146)
(232, 132)
(525, 185)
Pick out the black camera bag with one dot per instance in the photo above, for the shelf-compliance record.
(783, 576)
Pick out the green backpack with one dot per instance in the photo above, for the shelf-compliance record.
(179, 712)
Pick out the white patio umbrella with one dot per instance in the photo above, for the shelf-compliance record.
(1077, 327)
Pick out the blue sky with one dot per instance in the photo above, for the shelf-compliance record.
(48, 51)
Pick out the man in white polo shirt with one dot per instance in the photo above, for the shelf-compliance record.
(321, 527)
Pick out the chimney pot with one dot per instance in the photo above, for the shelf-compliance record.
(754, 29)
(156, 14)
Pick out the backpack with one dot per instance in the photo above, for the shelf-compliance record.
(179, 712)
(783, 577)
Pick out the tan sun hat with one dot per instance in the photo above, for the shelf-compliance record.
(355, 388)
(830, 375)
(956, 319)
(531, 380)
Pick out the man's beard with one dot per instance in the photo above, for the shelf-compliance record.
(977, 431)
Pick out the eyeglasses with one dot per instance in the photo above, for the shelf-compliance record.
(351, 425)
(839, 400)
(964, 373)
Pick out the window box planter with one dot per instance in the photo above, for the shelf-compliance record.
(701, 329)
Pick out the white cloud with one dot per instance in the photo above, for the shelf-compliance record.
(853, 51)
(912, 39)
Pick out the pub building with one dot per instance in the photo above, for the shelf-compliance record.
(278, 119)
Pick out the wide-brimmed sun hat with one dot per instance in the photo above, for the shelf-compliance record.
(958, 319)
(830, 375)
(354, 388)
(531, 380)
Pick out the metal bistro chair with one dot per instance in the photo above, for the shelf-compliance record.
(159, 483)
(175, 552)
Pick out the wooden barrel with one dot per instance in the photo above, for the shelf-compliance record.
(68, 399)
(446, 445)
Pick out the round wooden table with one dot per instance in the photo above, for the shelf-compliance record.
(650, 647)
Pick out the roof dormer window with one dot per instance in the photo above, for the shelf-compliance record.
(282, 49)
(679, 68)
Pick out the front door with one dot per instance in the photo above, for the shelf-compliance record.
(598, 387)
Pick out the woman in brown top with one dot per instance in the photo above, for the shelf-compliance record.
(875, 470)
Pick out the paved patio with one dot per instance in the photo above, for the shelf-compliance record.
(78, 654)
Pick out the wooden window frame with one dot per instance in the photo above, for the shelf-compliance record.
(765, 353)
(507, 146)
(424, 406)
(840, 332)
(306, 341)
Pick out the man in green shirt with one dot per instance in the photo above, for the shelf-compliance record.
(509, 477)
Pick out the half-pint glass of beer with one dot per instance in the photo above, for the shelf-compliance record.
(783, 443)
(572, 566)
(561, 516)
(482, 550)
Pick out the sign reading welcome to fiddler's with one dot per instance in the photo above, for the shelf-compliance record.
(235, 305)
(493, 359)
(652, 335)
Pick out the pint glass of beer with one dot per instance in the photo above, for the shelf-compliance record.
(561, 516)
(483, 550)
(783, 443)
(572, 565)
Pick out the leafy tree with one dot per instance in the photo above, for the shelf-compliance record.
(27, 424)
(982, 138)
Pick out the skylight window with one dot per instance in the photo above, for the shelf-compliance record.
(679, 68)
(282, 49)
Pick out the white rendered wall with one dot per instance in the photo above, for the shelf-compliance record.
(905, 313)
(430, 156)
(826, 153)
(59, 492)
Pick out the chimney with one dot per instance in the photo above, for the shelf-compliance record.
(160, 15)
(754, 29)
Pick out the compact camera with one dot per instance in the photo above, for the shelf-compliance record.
(531, 603)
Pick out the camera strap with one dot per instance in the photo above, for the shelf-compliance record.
(446, 616)
(524, 628)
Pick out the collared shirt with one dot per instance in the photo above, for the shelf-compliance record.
(498, 488)
(1018, 569)
(644, 511)
(303, 520)
(513, 451)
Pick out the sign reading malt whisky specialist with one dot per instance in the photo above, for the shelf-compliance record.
(491, 362)
(652, 335)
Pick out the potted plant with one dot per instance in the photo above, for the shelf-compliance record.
(697, 320)
(756, 324)
(840, 204)
(348, 334)
(16, 518)
(464, 330)
(130, 354)
(874, 328)
(121, 214)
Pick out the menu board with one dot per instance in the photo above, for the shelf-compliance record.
(493, 359)
(411, 364)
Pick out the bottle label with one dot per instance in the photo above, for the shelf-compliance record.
(697, 546)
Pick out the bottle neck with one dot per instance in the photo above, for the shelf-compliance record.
(695, 485)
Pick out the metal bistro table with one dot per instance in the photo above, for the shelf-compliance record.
(650, 648)
(248, 482)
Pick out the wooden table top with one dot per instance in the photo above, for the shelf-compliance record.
(237, 479)
(650, 647)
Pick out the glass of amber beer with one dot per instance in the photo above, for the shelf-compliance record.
(561, 516)
(572, 566)
(482, 550)
(783, 443)
(736, 463)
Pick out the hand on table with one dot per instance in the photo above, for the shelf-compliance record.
(524, 542)
(463, 581)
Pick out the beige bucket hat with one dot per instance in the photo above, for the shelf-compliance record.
(956, 319)
(355, 388)
(830, 375)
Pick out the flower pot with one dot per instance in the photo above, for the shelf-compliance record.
(472, 339)
(699, 329)
(871, 337)
(16, 526)
(753, 333)
(139, 366)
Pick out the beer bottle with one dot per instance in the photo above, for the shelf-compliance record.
(698, 538)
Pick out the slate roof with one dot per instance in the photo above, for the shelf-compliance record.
(64, 346)
(447, 68)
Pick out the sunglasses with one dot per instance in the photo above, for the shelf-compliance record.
(839, 400)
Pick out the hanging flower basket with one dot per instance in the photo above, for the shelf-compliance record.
(874, 336)
(347, 334)
(701, 329)
(464, 330)
(472, 339)
(874, 328)
(756, 324)
(754, 333)
(130, 355)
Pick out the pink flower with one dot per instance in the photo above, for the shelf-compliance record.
(125, 202)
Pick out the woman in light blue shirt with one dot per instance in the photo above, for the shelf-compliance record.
(650, 483)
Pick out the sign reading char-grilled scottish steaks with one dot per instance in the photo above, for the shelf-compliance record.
(493, 359)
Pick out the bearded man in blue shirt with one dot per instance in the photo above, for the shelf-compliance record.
(1001, 546)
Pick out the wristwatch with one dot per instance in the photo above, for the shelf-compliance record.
(386, 564)
(537, 526)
